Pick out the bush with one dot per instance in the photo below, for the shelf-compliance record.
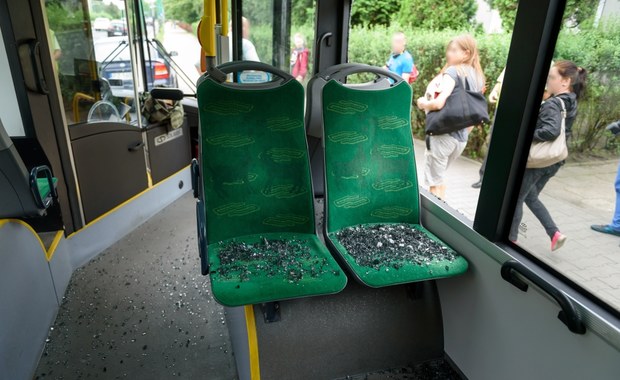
(595, 49)
(372, 46)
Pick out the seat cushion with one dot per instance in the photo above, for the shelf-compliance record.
(272, 267)
(378, 263)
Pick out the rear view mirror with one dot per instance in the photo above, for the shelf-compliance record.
(173, 53)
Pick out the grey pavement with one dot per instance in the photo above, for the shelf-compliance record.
(580, 194)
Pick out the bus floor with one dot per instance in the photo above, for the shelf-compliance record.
(141, 310)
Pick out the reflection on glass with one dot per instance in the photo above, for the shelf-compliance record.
(399, 38)
(90, 47)
(571, 218)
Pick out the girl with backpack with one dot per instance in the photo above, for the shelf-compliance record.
(565, 83)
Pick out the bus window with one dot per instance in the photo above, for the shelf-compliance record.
(90, 45)
(568, 210)
(9, 112)
(411, 39)
(280, 36)
(170, 30)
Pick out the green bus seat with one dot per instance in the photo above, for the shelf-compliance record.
(255, 211)
(23, 194)
(371, 180)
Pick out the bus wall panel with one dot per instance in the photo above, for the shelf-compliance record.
(28, 301)
(87, 243)
(494, 331)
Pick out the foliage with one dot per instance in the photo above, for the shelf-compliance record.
(188, 11)
(437, 15)
(428, 50)
(595, 49)
(302, 13)
(373, 12)
(579, 12)
(61, 18)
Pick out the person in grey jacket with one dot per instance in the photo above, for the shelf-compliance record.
(566, 82)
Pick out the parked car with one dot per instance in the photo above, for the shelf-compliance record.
(117, 28)
(114, 62)
(101, 23)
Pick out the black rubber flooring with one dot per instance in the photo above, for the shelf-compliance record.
(141, 310)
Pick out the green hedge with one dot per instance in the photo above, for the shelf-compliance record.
(596, 50)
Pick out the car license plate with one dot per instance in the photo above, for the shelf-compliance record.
(122, 76)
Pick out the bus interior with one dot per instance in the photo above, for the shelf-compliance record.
(239, 190)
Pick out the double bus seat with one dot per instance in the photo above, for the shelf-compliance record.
(255, 210)
(23, 194)
(372, 201)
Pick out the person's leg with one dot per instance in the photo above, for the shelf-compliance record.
(615, 224)
(533, 202)
(453, 150)
(529, 180)
(478, 184)
(539, 210)
(436, 164)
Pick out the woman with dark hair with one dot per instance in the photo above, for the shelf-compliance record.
(565, 83)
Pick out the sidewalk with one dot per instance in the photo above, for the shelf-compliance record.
(578, 196)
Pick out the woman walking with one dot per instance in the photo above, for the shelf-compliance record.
(462, 63)
(565, 83)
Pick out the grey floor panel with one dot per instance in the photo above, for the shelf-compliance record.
(141, 310)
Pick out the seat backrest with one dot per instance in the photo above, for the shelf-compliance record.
(314, 116)
(369, 158)
(254, 159)
(16, 199)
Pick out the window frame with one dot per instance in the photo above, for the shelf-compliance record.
(537, 28)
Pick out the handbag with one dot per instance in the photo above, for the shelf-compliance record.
(546, 153)
(464, 108)
(414, 74)
(158, 111)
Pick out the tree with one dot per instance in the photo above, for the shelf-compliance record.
(438, 15)
(302, 12)
(578, 12)
(370, 13)
(188, 11)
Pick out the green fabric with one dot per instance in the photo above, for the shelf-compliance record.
(44, 187)
(262, 288)
(409, 272)
(370, 171)
(256, 177)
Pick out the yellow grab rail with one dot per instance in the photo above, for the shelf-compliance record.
(206, 29)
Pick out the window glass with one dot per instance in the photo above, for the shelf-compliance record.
(91, 51)
(170, 28)
(410, 38)
(9, 112)
(568, 212)
(280, 36)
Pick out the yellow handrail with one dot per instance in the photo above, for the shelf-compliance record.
(206, 30)
(224, 17)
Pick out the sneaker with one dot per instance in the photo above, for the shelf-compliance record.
(557, 241)
(477, 185)
(605, 229)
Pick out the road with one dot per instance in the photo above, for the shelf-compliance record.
(188, 49)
